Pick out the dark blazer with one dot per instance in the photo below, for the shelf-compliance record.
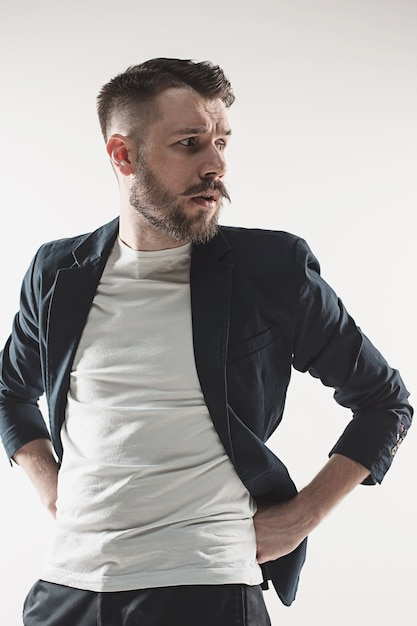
(259, 306)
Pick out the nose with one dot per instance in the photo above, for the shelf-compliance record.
(214, 163)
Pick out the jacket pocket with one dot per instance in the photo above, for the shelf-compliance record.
(249, 346)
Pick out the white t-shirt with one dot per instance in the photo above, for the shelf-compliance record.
(147, 496)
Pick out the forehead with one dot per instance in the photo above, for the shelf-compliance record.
(185, 108)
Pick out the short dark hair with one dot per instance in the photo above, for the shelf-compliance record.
(140, 84)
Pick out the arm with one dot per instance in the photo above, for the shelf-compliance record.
(280, 528)
(22, 370)
(38, 462)
(330, 346)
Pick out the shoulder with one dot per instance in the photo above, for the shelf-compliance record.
(59, 250)
(270, 246)
(62, 253)
(258, 236)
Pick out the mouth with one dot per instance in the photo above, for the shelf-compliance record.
(208, 191)
(207, 200)
(210, 197)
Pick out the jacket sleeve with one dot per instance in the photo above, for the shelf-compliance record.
(332, 348)
(21, 382)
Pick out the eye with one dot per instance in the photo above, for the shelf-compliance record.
(221, 145)
(189, 142)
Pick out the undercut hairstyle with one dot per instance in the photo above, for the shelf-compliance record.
(129, 97)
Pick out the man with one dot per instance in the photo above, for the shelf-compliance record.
(164, 345)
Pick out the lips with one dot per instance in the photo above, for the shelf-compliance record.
(206, 201)
(211, 195)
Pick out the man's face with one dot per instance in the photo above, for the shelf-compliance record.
(177, 184)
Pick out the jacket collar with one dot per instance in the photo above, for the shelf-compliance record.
(97, 244)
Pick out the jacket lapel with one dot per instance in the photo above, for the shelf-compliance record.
(73, 293)
(211, 286)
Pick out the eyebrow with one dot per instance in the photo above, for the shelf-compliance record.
(198, 131)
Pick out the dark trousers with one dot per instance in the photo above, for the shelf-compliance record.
(48, 604)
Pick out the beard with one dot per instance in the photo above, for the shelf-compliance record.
(165, 211)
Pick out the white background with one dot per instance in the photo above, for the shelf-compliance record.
(324, 145)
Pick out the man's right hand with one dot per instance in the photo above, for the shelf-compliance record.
(37, 460)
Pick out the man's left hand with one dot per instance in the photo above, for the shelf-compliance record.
(279, 529)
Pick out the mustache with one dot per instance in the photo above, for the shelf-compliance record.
(207, 186)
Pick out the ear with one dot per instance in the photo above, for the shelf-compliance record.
(121, 151)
